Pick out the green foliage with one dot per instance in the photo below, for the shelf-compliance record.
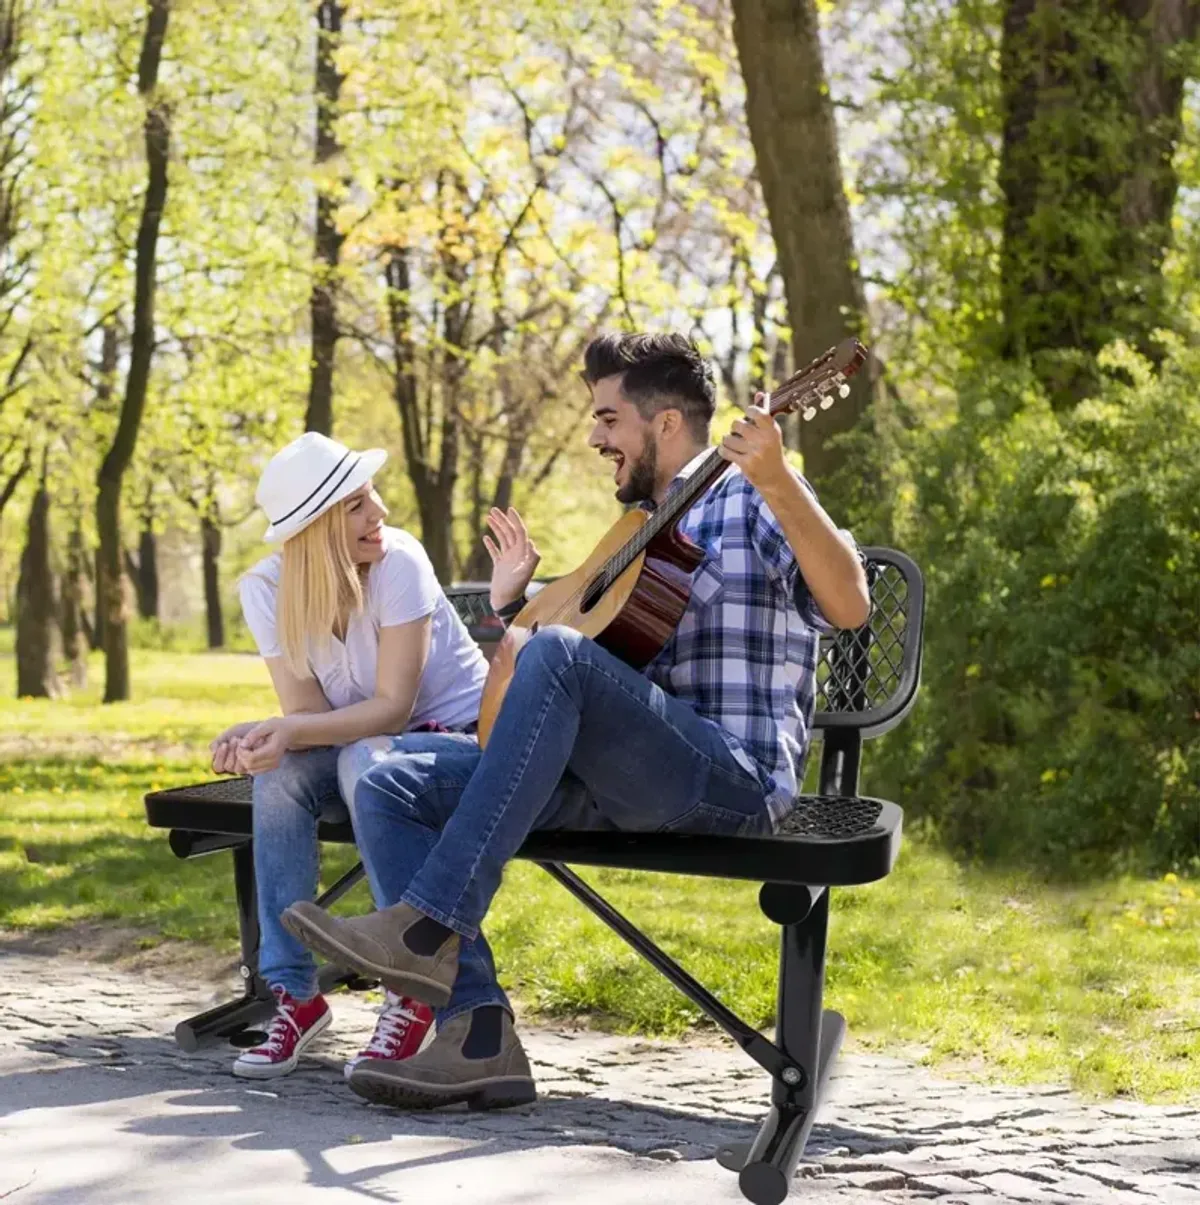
(1060, 718)
(1057, 722)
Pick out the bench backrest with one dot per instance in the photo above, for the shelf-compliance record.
(867, 679)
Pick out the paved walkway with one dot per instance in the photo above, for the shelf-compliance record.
(97, 1106)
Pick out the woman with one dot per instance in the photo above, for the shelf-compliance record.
(361, 642)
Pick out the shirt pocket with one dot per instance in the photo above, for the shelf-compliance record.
(707, 584)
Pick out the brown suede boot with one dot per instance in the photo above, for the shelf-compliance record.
(444, 1073)
(374, 946)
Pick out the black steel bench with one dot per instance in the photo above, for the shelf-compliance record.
(868, 681)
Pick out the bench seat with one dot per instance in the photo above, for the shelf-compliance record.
(829, 840)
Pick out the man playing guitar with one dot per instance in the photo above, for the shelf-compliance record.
(710, 737)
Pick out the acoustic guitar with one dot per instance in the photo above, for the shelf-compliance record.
(631, 593)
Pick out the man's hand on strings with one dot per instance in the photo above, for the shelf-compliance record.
(755, 445)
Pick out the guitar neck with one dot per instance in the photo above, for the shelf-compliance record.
(679, 501)
(714, 464)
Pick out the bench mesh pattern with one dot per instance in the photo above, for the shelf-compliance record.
(861, 670)
(472, 606)
(830, 817)
(222, 790)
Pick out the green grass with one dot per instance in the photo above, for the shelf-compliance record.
(1094, 984)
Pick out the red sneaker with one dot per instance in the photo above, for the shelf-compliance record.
(294, 1027)
(399, 1033)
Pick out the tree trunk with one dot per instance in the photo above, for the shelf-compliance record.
(36, 651)
(210, 540)
(141, 352)
(435, 507)
(477, 566)
(479, 562)
(73, 620)
(432, 485)
(97, 633)
(1093, 96)
(795, 141)
(328, 244)
(144, 573)
(110, 350)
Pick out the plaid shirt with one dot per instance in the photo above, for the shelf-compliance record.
(745, 652)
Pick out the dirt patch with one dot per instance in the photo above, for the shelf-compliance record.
(110, 748)
(138, 950)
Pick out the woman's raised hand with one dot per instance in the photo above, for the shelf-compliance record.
(514, 556)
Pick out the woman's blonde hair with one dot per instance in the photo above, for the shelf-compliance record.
(319, 589)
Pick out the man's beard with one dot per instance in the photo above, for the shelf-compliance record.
(642, 473)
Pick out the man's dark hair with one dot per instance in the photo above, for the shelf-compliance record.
(658, 372)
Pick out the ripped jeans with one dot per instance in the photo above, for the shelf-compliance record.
(309, 785)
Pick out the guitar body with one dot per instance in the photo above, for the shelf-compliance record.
(634, 618)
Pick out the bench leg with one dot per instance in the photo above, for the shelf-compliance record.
(237, 1019)
(810, 1039)
(232, 1019)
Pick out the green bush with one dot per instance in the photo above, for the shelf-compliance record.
(1060, 717)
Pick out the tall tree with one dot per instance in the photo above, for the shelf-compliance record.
(328, 238)
(561, 178)
(1093, 114)
(210, 546)
(16, 253)
(36, 628)
(156, 130)
(72, 614)
(143, 568)
(792, 127)
(105, 390)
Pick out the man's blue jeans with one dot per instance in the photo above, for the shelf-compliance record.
(583, 742)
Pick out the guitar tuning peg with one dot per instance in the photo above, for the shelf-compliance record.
(826, 402)
(843, 390)
(809, 412)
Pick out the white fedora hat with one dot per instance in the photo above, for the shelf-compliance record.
(303, 480)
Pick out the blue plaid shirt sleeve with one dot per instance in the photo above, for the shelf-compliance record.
(773, 549)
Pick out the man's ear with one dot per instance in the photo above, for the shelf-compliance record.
(670, 422)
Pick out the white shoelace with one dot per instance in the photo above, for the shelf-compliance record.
(277, 1031)
(394, 1022)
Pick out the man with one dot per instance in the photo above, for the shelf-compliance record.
(711, 737)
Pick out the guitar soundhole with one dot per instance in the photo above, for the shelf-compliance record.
(593, 594)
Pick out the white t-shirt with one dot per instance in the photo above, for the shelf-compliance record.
(400, 587)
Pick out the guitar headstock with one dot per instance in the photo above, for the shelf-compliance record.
(818, 385)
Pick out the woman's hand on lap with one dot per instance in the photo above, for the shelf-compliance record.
(224, 748)
(263, 747)
(224, 756)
